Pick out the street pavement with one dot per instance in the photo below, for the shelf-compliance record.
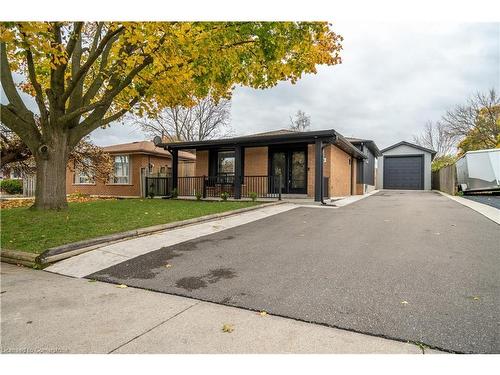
(44, 312)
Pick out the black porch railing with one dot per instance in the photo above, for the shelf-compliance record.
(214, 186)
(158, 186)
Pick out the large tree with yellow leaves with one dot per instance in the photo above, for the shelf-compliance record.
(85, 75)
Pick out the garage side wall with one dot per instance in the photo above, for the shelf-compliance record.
(405, 150)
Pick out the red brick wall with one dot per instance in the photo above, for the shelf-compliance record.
(201, 163)
(340, 172)
(310, 170)
(336, 166)
(133, 189)
(256, 161)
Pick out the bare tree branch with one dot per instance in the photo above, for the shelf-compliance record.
(205, 120)
(436, 138)
(462, 119)
(300, 122)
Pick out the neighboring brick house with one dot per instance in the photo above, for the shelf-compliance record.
(310, 164)
(131, 163)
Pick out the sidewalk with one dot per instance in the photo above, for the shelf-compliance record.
(49, 313)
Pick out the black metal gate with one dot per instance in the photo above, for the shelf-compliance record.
(158, 186)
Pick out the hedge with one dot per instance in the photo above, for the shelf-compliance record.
(12, 186)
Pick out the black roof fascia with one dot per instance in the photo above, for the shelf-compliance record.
(369, 144)
(329, 136)
(348, 147)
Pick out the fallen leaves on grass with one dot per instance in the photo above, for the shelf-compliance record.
(27, 202)
(15, 203)
(227, 328)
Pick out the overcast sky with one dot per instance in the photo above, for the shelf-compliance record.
(394, 78)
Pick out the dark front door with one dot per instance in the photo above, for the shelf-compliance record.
(291, 164)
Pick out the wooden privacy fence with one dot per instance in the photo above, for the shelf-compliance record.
(445, 179)
(29, 185)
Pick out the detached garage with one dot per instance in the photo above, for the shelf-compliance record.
(405, 166)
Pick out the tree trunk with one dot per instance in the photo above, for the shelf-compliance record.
(51, 162)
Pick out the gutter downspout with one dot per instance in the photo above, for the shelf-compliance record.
(322, 182)
(323, 146)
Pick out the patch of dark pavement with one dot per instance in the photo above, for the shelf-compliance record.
(197, 282)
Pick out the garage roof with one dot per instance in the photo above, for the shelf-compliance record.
(404, 143)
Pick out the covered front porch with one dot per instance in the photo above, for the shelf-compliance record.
(272, 165)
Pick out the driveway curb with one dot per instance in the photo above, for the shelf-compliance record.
(18, 257)
(58, 253)
(491, 213)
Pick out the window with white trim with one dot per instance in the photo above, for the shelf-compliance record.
(16, 174)
(121, 170)
(83, 178)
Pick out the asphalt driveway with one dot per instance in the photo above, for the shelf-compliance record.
(412, 266)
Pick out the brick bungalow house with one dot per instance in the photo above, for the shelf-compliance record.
(313, 164)
(132, 162)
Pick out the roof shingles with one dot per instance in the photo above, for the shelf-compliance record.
(144, 147)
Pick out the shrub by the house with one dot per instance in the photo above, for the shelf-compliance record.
(11, 186)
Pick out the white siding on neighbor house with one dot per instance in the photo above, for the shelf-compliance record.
(405, 150)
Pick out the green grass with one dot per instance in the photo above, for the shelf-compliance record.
(35, 231)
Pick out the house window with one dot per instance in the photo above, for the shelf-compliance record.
(121, 170)
(82, 178)
(225, 163)
(163, 170)
(15, 173)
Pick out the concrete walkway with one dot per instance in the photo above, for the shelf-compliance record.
(48, 313)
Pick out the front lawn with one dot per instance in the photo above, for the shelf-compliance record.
(36, 231)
